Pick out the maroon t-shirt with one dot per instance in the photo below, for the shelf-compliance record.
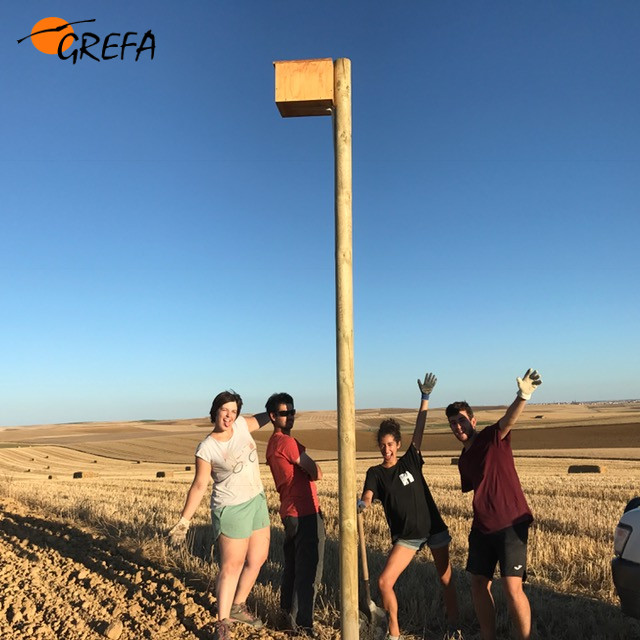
(487, 467)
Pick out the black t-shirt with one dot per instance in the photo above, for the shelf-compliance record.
(408, 505)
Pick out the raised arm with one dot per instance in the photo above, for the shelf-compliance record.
(426, 388)
(526, 386)
(257, 421)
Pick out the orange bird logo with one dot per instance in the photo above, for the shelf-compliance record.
(47, 34)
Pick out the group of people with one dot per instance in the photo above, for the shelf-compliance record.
(239, 514)
(240, 519)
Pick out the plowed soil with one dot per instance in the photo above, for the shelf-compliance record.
(62, 582)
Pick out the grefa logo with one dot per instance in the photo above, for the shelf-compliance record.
(55, 36)
(406, 478)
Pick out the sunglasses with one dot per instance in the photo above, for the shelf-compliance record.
(286, 414)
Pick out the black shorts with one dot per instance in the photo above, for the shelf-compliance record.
(507, 547)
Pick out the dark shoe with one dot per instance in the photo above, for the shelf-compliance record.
(240, 613)
(284, 622)
(222, 630)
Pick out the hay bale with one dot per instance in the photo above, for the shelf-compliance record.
(586, 468)
(49, 477)
(164, 474)
(85, 474)
(538, 417)
(454, 460)
(27, 470)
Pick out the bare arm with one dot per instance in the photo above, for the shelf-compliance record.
(197, 489)
(426, 388)
(257, 421)
(526, 386)
(367, 498)
(309, 466)
(509, 419)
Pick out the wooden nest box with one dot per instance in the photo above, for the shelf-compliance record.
(304, 87)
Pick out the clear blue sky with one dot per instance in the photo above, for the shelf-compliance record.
(166, 234)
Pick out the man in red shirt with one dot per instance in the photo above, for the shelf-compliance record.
(294, 473)
(501, 516)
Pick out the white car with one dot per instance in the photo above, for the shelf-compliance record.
(625, 566)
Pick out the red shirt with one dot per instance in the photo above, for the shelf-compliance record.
(298, 493)
(487, 467)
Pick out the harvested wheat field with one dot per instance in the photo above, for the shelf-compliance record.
(85, 557)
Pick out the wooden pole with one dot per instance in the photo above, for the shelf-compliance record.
(344, 352)
(308, 88)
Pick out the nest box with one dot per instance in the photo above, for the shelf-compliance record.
(304, 87)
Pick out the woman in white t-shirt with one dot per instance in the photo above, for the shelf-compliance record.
(239, 514)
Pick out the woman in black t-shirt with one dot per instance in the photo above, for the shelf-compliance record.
(411, 513)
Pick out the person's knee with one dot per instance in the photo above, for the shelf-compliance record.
(258, 551)
(256, 560)
(446, 577)
(385, 584)
(513, 589)
(480, 584)
(231, 566)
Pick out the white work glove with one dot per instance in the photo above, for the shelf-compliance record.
(528, 384)
(426, 387)
(361, 506)
(178, 534)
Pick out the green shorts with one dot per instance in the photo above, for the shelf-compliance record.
(240, 520)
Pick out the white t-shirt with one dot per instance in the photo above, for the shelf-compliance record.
(234, 466)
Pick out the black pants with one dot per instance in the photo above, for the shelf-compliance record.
(303, 559)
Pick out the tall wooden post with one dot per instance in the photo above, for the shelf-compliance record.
(344, 350)
(312, 88)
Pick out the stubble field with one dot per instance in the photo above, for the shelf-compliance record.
(86, 558)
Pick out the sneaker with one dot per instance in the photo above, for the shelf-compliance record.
(222, 631)
(390, 637)
(453, 634)
(240, 613)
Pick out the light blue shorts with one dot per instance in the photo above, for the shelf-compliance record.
(240, 520)
(434, 541)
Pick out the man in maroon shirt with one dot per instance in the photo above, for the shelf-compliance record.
(501, 516)
(294, 473)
